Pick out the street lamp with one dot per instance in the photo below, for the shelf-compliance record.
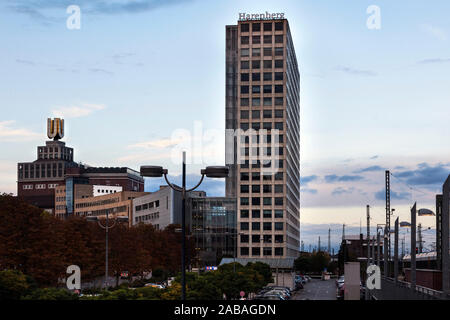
(210, 172)
(425, 212)
(412, 225)
(117, 219)
(405, 224)
(379, 227)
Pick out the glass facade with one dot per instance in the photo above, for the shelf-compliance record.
(213, 227)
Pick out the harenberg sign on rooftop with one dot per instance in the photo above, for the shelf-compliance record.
(260, 16)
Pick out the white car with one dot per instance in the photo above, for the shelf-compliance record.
(154, 285)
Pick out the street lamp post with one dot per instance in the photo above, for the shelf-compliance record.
(386, 248)
(210, 172)
(379, 227)
(107, 227)
(412, 225)
(445, 237)
(235, 237)
(413, 247)
(396, 252)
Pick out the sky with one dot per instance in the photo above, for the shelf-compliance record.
(141, 80)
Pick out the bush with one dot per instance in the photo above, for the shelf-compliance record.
(51, 294)
(149, 293)
(138, 283)
(13, 284)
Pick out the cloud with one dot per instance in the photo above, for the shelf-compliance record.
(32, 11)
(345, 178)
(356, 72)
(374, 157)
(369, 169)
(434, 31)
(381, 195)
(305, 180)
(340, 191)
(101, 71)
(38, 10)
(27, 62)
(310, 191)
(8, 133)
(425, 174)
(434, 61)
(159, 143)
(77, 111)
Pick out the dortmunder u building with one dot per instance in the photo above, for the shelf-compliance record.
(263, 93)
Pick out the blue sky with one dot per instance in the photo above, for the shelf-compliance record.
(139, 72)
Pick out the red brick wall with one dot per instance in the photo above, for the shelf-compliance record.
(426, 278)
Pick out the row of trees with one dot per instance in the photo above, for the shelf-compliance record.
(42, 247)
(227, 282)
(314, 262)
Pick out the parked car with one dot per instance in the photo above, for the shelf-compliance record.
(340, 281)
(154, 285)
(279, 292)
(268, 297)
(340, 292)
(299, 281)
(341, 289)
(298, 285)
(287, 289)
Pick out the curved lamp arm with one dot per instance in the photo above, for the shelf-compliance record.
(181, 189)
(107, 227)
(192, 189)
(171, 185)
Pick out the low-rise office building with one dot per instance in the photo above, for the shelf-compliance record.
(80, 191)
(114, 204)
(210, 221)
(160, 208)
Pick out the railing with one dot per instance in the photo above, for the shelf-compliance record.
(402, 291)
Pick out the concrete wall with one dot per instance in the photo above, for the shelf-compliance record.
(285, 279)
(160, 216)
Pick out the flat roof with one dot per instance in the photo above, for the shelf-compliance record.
(283, 263)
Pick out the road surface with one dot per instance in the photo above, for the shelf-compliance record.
(317, 290)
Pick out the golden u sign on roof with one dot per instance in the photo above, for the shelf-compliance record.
(55, 128)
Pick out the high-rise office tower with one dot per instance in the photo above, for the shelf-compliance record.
(263, 93)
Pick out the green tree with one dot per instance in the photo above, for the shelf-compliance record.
(13, 284)
(263, 269)
(303, 263)
(51, 294)
(202, 289)
(319, 261)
